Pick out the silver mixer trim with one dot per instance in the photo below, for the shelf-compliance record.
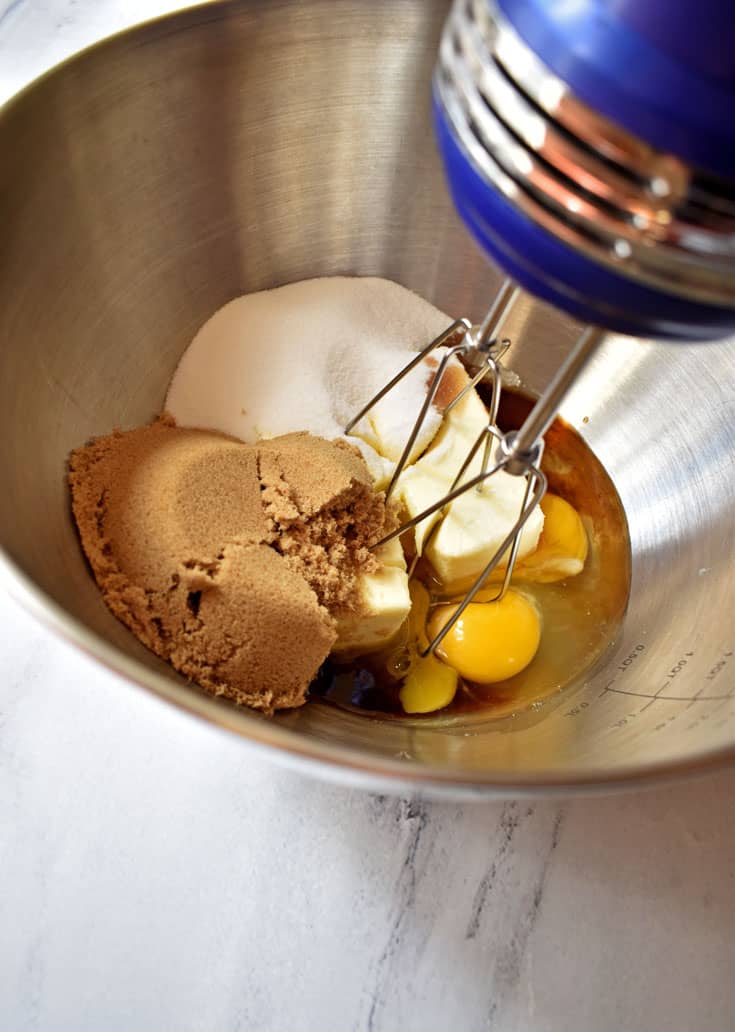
(584, 179)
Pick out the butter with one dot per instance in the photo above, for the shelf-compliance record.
(386, 603)
(476, 523)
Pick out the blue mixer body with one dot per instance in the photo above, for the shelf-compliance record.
(664, 70)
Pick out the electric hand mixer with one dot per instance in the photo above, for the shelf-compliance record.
(590, 149)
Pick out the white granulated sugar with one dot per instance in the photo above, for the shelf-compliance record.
(307, 356)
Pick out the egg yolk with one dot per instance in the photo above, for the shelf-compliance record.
(562, 548)
(491, 641)
(430, 685)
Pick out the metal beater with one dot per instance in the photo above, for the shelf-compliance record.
(570, 185)
(519, 452)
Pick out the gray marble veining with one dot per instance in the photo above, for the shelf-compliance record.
(156, 876)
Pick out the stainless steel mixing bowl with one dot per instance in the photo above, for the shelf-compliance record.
(235, 147)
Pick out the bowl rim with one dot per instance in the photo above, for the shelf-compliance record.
(192, 12)
(287, 748)
(330, 761)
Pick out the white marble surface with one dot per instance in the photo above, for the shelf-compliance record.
(155, 876)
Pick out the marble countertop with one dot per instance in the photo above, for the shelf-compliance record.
(156, 876)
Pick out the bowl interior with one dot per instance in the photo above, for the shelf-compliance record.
(240, 146)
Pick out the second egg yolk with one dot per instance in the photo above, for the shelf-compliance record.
(491, 641)
(563, 546)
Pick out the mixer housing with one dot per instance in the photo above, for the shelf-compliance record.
(587, 211)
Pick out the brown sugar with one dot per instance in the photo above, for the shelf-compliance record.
(225, 558)
(323, 512)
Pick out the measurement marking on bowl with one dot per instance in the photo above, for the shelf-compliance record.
(695, 699)
(674, 672)
(718, 667)
(655, 697)
(672, 698)
(576, 710)
(676, 669)
(682, 665)
(631, 657)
